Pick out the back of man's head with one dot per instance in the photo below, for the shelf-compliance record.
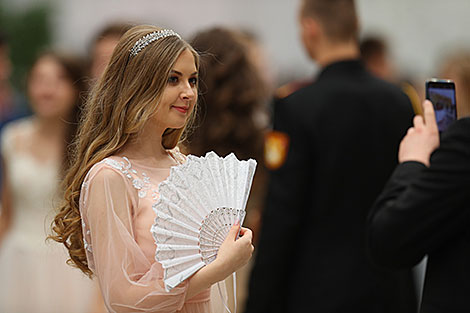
(337, 17)
(372, 47)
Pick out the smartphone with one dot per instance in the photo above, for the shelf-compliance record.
(441, 92)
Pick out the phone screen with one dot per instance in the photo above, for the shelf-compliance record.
(442, 96)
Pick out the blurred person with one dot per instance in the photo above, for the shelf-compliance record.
(259, 57)
(456, 67)
(126, 145)
(232, 113)
(338, 138)
(424, 210)
(12, 104)
(103, 45)
(34, 275)
(376, 58)
(375, 55)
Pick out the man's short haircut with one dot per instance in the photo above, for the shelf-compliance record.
(338, 17)
(372, 47)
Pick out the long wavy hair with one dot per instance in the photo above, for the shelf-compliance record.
(122, 101)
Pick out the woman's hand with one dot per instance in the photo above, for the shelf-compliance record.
(422, 139)
(234, 253)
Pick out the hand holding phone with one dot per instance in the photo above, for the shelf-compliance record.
(421, 139)
(441, 92)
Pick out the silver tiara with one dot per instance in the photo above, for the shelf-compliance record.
(149, 38)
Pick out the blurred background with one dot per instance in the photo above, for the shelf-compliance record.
(402, 41)
(418, 32)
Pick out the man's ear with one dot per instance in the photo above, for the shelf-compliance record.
(311, 28)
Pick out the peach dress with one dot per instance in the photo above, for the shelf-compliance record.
(116, 208)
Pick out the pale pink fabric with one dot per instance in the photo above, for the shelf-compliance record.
(116, 207)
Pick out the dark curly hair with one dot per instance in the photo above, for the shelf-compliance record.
(232, 97)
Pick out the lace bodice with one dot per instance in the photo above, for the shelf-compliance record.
(116, 208)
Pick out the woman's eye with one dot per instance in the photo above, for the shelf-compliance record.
(193, 81)
(172, 79)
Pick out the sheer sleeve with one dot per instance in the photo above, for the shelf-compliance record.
(129, 281)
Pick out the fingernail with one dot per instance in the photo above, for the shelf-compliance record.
(237, 222)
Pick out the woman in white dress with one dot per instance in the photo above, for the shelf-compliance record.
(33, 274)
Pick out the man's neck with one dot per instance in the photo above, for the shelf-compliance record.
(329, 53)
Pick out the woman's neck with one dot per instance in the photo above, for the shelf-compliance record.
(147, 147)
(51, 127)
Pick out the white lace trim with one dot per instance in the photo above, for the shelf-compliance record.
(142, 185)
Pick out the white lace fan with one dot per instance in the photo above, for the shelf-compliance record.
(199, 202)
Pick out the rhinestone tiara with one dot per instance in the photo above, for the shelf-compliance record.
(149, 38)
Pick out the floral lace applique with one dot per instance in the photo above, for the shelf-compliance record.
(142, 185)
(126, 169)
(84, 192)
(85, 243)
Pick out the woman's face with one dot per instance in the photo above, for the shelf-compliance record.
(180, 93)
(51, 92)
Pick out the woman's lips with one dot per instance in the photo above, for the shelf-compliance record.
(181, 109)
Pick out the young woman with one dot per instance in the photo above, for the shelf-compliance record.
(34, 276)
(126, 144)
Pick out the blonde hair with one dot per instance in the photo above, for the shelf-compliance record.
(120, 104)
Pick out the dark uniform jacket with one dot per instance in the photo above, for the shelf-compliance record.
(344, 132)
(427, 211)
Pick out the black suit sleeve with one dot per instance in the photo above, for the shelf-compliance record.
(281, 220)
(422, 208)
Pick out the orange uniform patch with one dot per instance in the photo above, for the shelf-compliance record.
(275, 149)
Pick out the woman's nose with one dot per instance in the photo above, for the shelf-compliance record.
(188, 92)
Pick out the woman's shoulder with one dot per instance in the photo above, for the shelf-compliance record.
(16, 133)
(113, 168)
(19, 127)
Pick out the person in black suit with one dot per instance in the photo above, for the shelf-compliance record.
(342, 134)
(425, 210)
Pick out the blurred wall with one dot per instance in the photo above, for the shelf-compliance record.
(419, 31)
